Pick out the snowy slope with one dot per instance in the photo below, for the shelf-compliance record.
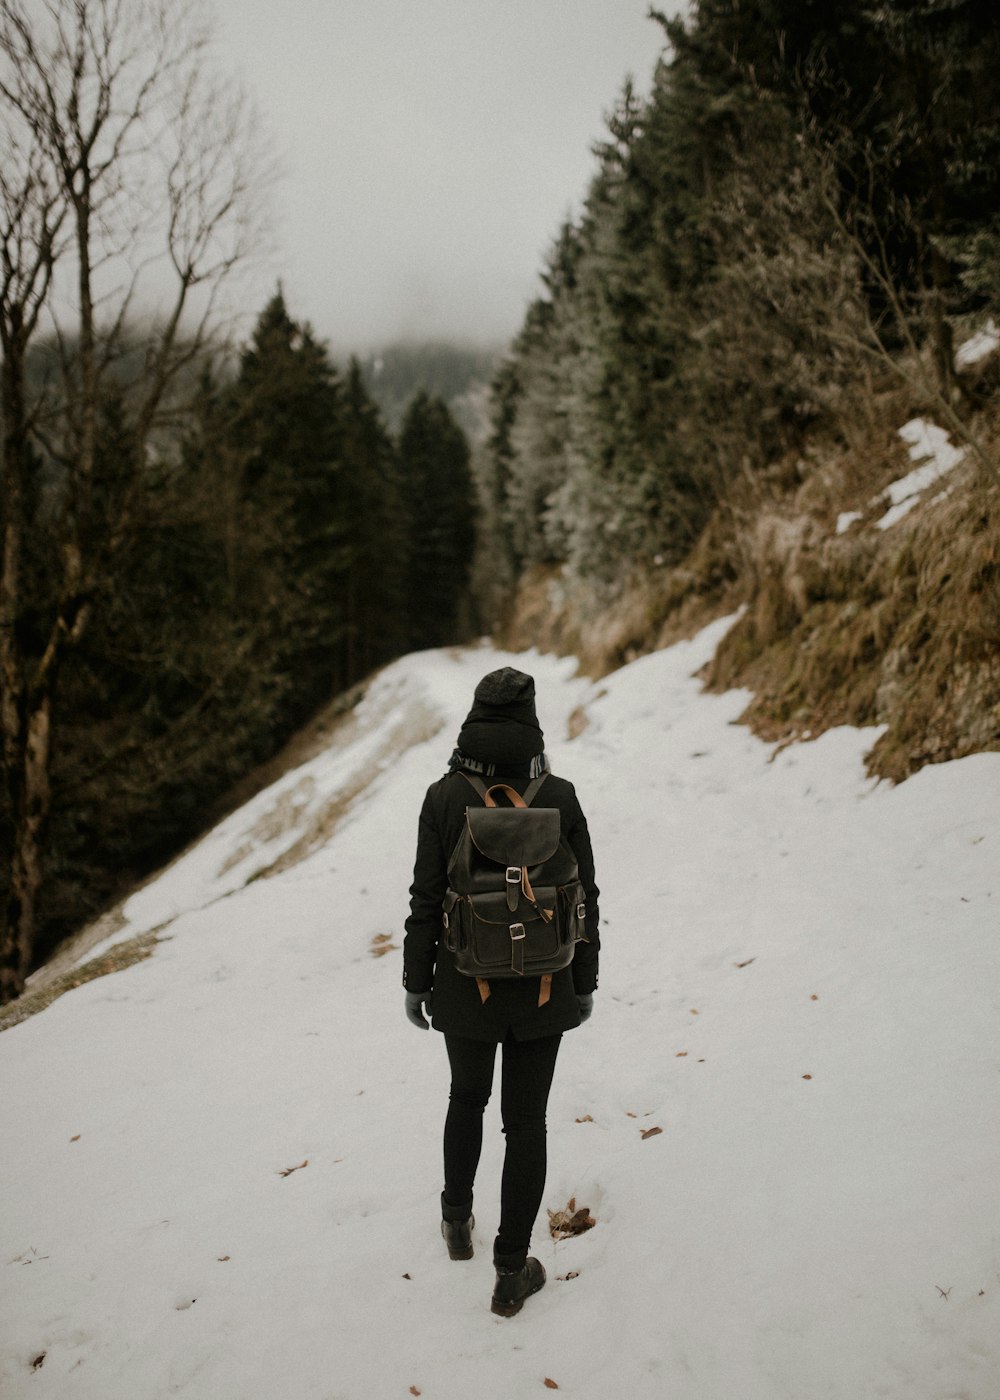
(800, 987)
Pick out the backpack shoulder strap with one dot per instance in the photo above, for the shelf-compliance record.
(531, 791)
(477, 783)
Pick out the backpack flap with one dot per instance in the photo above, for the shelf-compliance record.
(523, 836)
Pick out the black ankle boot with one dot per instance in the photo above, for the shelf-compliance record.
(458, 1237)
(514, 1285)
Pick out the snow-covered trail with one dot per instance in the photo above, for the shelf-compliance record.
(799, 987)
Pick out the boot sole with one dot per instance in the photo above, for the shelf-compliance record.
(512, 1309)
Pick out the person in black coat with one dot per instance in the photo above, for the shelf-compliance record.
(500, 741)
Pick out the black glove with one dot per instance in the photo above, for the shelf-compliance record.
(414, 1002)
(585, 1001)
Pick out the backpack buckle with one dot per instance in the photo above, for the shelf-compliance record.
(513, 887)
(516, 951)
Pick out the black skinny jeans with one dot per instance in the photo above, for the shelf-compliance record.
(526, 1077)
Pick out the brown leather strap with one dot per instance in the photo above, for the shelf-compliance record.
(545, 990)
(484, 989)
(529, 894)
(484, 792)
(516, 799)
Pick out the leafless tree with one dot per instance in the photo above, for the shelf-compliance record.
(131, 189)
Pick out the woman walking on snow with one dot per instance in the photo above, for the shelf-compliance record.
(500, 742)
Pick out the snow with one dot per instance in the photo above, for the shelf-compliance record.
(800, 987)
(979, 346)
(935, 455)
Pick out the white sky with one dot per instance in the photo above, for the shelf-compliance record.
(430, 149)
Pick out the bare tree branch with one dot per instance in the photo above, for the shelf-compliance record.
(130, 197)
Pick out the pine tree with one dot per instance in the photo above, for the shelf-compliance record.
(377, 533)
(284, 434)
(439, 506)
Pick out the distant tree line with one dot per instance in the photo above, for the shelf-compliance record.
(811, 189)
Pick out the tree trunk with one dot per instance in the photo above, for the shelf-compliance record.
(17, 934)
(942, 338)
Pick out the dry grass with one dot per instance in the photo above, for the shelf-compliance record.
(898, 628)
(122, 955)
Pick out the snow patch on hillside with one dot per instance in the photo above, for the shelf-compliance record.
(935, 455)
(979, 346)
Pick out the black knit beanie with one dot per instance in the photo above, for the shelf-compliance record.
(509, 691)
(502, 724)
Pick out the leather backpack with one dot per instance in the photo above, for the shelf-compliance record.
(515, 906)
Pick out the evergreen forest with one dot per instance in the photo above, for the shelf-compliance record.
(807, 201)
(782, 245)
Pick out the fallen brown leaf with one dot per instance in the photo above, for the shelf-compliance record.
(563, 1224)
(414, 1390)
(807, 1076)
(565, 1278)
(75, 1139)
(288, 1170)
(382, 943)
(681, 1054)
(551, 1383)
(746, 963)
(407, 1276)
(223, 1258)
(630, 1115)
(649, 1132)
(585, 1119)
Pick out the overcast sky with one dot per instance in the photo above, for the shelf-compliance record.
(430, 148)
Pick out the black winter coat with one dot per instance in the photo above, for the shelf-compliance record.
(512, 1006)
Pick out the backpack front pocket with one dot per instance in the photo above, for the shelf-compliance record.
(486, 940)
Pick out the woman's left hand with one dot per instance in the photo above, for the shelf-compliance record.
(415, 1001)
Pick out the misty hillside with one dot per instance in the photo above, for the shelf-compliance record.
(458, 375)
